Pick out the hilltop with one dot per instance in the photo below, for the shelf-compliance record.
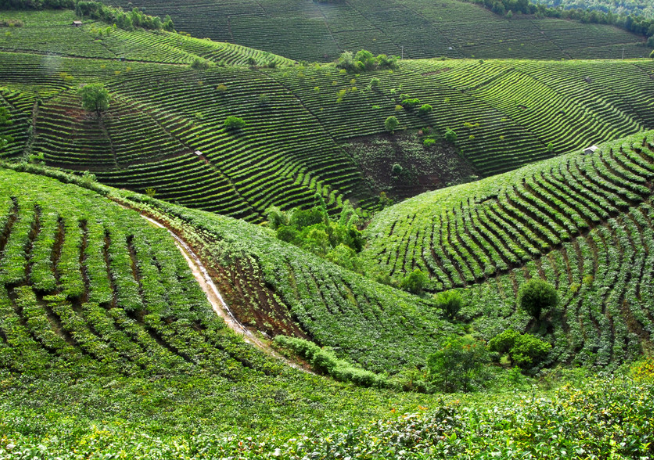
(320, 30)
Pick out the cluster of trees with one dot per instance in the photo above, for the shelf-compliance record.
(623, 7)
(338, 241)
(126, 21)
(461, 363)
(365, 61)
(5, 119)
(637, 24)
(36, 4)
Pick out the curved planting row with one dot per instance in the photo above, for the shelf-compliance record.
(319, 31)
(87, 284)
(19, 107)
(277, 288)
(469, 233)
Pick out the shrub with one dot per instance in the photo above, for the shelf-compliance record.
(537, 295)
(460, 365)
(429, 142)
(396, 170)
(365, 61)
(264, 100)
(411, 103)
(425, 109)
(234, 123)
(525, 350)
(391, 124)
(374, 83)
(450, 135)
(200, 64)
(450, 302)
(414, 282)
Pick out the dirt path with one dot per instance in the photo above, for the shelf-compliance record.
(215, 298)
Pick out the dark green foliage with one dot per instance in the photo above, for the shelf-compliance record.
(651, 55)
(306, 218)
(396, 170)
(365, 61)
(5, 119)
(459, 366)
(36, 4)
(126, 21)
(95, 97)
(414, 282)
(450, 302)
(233, 123)
(450, 136)
(391, 124)
(525, 350)
(537, 295)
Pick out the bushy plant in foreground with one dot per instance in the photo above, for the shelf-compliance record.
(450, 302)
(233, 123)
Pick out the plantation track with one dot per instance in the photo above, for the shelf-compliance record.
(214, 297)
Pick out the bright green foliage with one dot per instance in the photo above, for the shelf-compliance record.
(95, 97)
(414, 282)
(365, 61)
(525, 350)
(411, 103)
(425, 109)
(234, 123)
(459, 366)
(391, 124)
(450, 302)
(537, 295)
(324, 360)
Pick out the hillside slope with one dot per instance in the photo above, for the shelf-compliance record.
(164, 130)
(582, 222)
(319, 31)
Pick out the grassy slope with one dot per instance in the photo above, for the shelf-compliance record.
(583, 222)
(163, 112)
(101, 319)
(313, 31)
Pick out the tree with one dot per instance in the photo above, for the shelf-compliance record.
(414, 282)
(4, 120)
(95, 97)
(391, 124)
(450, 302)
(537, 295)
(450, 136)
(425, 109)
(523, 349)
(233, 123)
(460, 365)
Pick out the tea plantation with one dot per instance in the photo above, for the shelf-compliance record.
(321, 30)
(164, 130)
(176, 216)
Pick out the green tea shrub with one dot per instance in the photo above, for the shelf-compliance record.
(429, 142)
(537, 295)
(411, 103)
(200, 64)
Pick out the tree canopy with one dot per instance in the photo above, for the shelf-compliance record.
(95, 97)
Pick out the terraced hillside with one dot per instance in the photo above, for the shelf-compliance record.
(164, 130)
(319, 31)
(76, 284)
(51, 33)
(583, 222)
(89, 285)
